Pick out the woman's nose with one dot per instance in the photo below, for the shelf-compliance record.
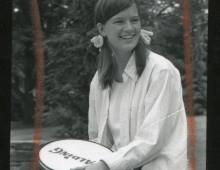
(128, 26)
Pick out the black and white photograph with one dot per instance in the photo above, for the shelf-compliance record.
(109, 85)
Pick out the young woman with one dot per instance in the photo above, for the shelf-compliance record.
(136, 107)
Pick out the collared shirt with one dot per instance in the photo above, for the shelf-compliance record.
(153, 127)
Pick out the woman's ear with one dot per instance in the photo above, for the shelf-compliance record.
(100, 27)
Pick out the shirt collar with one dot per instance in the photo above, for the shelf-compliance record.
(131, 69)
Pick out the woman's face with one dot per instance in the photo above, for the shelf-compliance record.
(123, 30)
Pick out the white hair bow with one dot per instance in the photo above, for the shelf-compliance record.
(145, 36)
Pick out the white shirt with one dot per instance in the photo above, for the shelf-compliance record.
(153, 127)
(116, 94)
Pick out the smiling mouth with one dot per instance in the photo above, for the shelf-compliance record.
(127, 37)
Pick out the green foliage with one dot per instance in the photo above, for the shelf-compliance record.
(70, 58)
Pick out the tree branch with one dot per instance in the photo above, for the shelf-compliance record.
(163, 9)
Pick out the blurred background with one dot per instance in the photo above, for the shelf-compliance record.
(70, 61)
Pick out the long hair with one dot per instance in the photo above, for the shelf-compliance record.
(104, 10)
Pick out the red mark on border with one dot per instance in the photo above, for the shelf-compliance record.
(39, 105)
(188, 53)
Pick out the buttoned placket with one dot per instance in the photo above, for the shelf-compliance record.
(129, 87)
(104, 116)
(124, 112)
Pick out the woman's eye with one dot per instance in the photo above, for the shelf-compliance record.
(119, 22)
(135, 20)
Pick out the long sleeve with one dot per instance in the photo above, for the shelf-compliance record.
(161, 138)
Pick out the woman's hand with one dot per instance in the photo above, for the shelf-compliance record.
(98, 166)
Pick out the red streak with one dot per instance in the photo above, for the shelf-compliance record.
(39, 105)
(188, 53)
